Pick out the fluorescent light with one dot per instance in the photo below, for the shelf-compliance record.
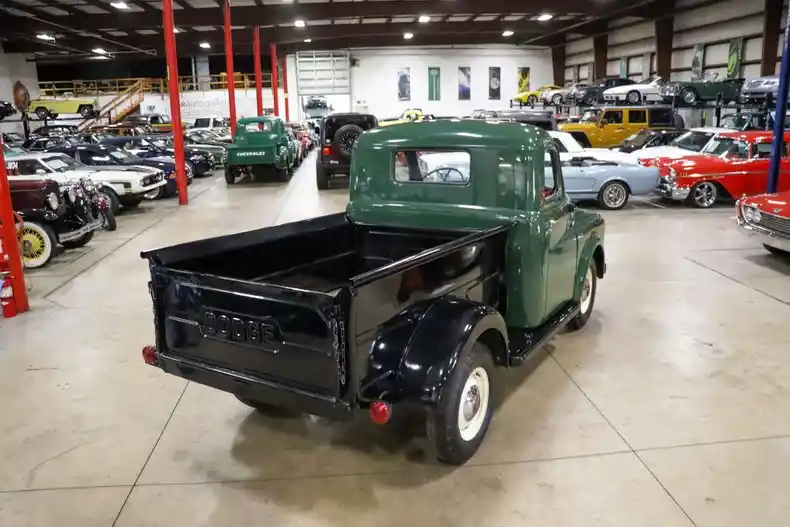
(544, 17)
(308, 40)
(176, 30)
(423, 19)
(119, 5)
(100, 57)
(408, 36)
(507, 33)
(44, 36)
(205, 45)
(299, 22)
(99, 51)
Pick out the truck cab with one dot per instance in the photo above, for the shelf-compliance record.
(459, 253)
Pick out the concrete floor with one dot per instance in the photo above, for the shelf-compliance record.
(668, 409)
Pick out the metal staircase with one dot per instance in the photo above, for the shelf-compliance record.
(122, 105)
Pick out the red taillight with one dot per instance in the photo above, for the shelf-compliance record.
(326, 151)
(380, 412)
(149, 355)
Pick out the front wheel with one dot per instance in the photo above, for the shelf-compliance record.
(86, 110)
(689, 96)
(634, 97)
(704, 195)
(459, 422)
(587, 298)
(38, 244)
(157, 193)
(112, 199)
(42, 113)
(532, 100)
(108, 222)
(556, 100)
(613, 195)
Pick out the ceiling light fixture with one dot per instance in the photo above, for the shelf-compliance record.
(176, 30)
(544, 17)
(99, 51)
(205, 45)
(100, 57)
(408, 36)
(424, 19)
(120, 5)
(507, 33)
(308, 40)
(299, 23)
(44, 36)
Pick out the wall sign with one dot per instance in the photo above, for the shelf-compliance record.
(404, 84)
(464, 83)
(494, 83)
(698, 62)
(734, 58)
(523, 79)
(434, 84)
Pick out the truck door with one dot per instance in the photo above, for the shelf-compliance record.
(557, 212)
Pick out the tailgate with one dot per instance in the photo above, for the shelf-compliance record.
(252, 155)
(252, 333)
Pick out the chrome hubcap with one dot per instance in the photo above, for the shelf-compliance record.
(586, 298)
(473, 405)
(614, 196)
(705, 194)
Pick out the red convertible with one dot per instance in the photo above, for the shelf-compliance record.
(732, 164)
(767, 218)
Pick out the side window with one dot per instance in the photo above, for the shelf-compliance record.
(446, 167)
(738, 150)
(637, 116)
(23, 167)
(155, 119)
(559, 145)
(612, 117)
(763, 150)
(660, 116)
(552, 173)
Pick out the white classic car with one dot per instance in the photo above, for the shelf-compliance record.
(635, 93)
(687, 144)
(128, 185)
(570, 148)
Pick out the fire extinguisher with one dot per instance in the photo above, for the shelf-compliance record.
(7, 297)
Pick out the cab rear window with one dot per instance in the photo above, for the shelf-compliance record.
(447, 167)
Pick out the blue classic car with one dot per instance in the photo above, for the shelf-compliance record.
(609, 183)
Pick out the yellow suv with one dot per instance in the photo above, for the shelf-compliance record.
(609, 125)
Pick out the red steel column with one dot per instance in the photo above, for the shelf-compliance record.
(285, 87)
(230, 74)
(273, 51)
(10, 243)
(175, 103)
(256, 55)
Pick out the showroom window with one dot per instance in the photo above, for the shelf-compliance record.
(448, 167)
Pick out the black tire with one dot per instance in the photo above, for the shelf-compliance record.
(633, 97)
(265, 409)
(230, 177)
(689, 96)
(580, 320)
(159, 193)
(532, 100)
(344, 139)
(112, 197)
(703, 195)
(42, 113)
(582, 139)
(613, 195)
(556, 100)
(285, 174)
(322, 177)
(777, 252)
(133, 203)
(442, 424)
(82, 241)
(85, 110)
(108, 220)
(52, 115)
(50, 240)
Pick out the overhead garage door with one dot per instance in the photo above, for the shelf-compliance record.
(323, 73)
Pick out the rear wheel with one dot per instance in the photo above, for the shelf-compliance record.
(587, 298)
(86, 110)
(322, 177)
(459, 422)
(689, 96)
(532, 100)
(38, 244)
(613, 195)
(42, 113)
(633, 97)
(556, 100)
(230, 177)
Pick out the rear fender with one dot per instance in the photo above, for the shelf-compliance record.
(448, 328)
(593, 249)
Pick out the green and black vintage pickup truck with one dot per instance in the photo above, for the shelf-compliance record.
(261, 145)
(459, 253)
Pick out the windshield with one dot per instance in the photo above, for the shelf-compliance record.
(204, 122)
(591, 116)
(639, 138)
(159, 144)
(61, 163)
(693, 141)
(122, 156)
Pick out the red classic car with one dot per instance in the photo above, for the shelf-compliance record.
(767, 218)
(731, 165)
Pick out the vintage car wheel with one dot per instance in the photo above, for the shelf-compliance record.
(777, 252)
(230, 177)
(265, 409)
(704, 194)
(613, 195)
(86, 110)
(689, 96)
(113, 199)
(42, 113)
(108, 222)
(556, 100)
(459, 423)
(38, 244)
(633, 97)
(82, 241)
(345, 137)
(587, 299)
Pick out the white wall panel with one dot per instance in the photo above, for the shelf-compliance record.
(632, 34)
(581, 58)
(729, 9)
(579, 46)
(747, 25)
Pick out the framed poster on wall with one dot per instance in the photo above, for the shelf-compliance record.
(434, 84)
(734, 58)
(404, 84)
(623, 68)
(464, 83)
(494, 83)
(698, 62)
(523, 79)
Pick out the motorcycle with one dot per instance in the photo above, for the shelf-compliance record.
(100, 206)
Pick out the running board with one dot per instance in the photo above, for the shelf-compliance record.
(524, 342)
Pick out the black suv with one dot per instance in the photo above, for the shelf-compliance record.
(594, 93)
(338, 136)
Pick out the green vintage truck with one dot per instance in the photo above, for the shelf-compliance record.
(261, 146)
(459, 254)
